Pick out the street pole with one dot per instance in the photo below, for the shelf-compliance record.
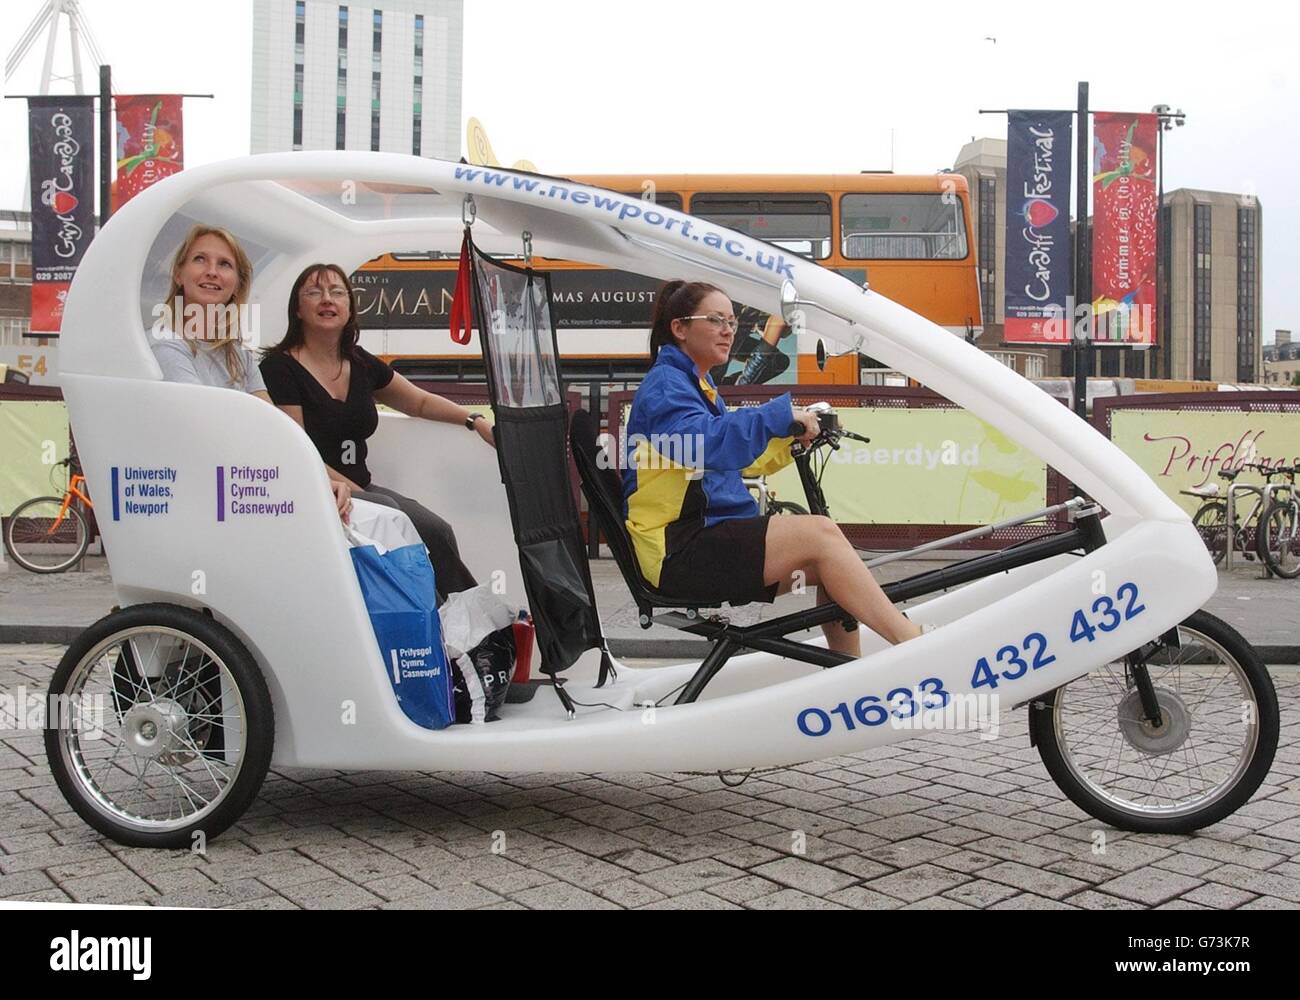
(1082, 273)
(1166, 120)
(106, 146)
(1162, 293)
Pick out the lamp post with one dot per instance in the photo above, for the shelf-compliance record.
(1168, 119)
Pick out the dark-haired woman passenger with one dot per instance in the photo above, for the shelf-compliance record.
(321, 377)
(694, 525)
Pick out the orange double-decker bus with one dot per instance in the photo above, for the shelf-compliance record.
(908, 236)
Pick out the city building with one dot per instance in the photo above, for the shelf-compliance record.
(1282, 360)
(15, 277)
(329, 75)
(983, 162)
(22, 357)
(1210, 329)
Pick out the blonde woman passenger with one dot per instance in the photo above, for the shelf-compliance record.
(199, 337)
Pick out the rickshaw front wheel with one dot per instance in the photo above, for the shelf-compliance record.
(159, 727)
(1218, 731)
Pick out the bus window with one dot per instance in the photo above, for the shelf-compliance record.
(800, 223)
(668, 199)
(902, 227)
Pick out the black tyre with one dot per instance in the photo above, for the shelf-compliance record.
(164, 726)
(1212, 523)
(1218, 733)
(42, 536)
(785, 507)
(1277, 539)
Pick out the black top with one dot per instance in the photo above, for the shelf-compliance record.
(332, 423)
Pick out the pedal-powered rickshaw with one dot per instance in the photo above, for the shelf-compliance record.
(242, 640)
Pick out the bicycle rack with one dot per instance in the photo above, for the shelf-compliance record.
(1230, 516)
(1269, 489)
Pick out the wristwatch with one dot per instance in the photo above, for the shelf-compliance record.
(469, 421)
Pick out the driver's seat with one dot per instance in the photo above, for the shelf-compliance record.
(604, 492)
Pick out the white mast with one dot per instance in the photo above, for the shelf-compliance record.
(79, 34)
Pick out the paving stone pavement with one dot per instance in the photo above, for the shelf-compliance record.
(943, 820)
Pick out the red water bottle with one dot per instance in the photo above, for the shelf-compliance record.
(523, 632)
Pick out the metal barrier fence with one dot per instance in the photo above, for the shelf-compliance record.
(607, 399)
(879, 536)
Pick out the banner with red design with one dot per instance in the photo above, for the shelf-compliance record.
(149, 142)
(1038, 273)
(61, 134)
(1124, 228)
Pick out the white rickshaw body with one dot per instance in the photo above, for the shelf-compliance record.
(159, 458)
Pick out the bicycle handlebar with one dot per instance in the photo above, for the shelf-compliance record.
(830, 435)
(1266, 470)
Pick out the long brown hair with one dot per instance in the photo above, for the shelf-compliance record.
(294, 336)
(228, 333)
(675, 300)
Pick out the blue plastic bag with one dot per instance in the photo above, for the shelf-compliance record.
(400, 594)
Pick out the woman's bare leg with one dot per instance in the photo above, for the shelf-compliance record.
(836, 637)
(816, 546)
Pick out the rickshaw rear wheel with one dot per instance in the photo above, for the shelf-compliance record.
(159, 727)
(1214, 747)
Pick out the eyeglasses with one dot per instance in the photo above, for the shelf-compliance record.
(315, 293)
(730, 322)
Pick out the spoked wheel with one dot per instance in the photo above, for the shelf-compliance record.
(1212, 523)
(1215, 743)
(42, 536)
(164, 726)
(1278, 539)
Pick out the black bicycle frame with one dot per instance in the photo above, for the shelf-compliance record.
(770, 636)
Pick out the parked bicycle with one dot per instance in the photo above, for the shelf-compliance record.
(768, 503)
(1278, 534)
(1268, 530)
(51, 534)
(1211, 518)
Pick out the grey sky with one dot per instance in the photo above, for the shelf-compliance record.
(813, 86)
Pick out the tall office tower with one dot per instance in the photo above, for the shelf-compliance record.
(330, 75)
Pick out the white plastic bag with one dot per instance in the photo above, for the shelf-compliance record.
(383, 527)
(469, 617)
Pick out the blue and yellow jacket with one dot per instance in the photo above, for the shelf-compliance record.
(685, 454)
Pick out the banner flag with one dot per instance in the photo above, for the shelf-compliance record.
(1038, 275)
(61, 133)
(150, 144)
(1124, 229)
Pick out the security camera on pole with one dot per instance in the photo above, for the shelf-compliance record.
(1168, 119)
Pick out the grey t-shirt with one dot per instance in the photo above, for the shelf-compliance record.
(205, 365)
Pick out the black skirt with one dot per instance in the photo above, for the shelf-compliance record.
(720, 563)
